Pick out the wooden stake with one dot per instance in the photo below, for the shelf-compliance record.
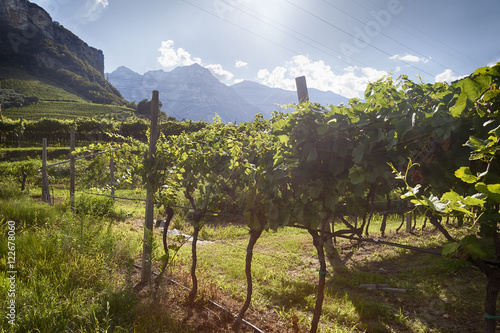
(408, 219)
(302, 92)
(112, 176)
(148, 223)
(72, 169)
(45, 181)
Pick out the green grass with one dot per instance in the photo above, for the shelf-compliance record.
(70, 271)
(442, 295)
(72, 266)
(68, 110)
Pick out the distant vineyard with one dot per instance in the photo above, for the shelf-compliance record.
(68, 110)
(26, 133)
(44, 91)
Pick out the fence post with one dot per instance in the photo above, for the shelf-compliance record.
(20, 137)
(302, 92)
(72, 169)
(408, 218)
(148, 223)
(112, 176)
(45, 181)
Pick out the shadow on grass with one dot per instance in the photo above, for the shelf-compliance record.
(429, 294)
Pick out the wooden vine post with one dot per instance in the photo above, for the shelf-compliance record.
(302, 92)
(112, 177)
(45, 180)
(72, 169)
(148, 224)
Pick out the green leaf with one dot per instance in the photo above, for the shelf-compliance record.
(450, 249)
(315, 189)
(451, 196)
(494, 188)
(435, 204)
(475, 250)
(473, 201)
(476, 144)
(357, 154)
(356, 175)
(403, 126)
(466, 175)
(313, 155)
(323, 129)
(460, 106)
(331, 201)
(491, 190)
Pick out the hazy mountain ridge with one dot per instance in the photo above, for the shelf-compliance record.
(188, 92)
(271, 99)
(192, 92)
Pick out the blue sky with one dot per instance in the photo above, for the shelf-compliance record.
(339, 45)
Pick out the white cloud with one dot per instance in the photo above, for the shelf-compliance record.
(240, 64)
(448, 76)
(220, 73)
(351, 83)
(410, 58)
(171, 57)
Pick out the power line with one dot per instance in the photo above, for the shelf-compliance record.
(355, 37)
(288, 34)
(239, 26)
(437, 45)
(383, 34)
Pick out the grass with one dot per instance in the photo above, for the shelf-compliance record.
(76, 274)
(72, 271)
(441, 295)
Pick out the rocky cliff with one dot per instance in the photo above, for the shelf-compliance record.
(31, 41)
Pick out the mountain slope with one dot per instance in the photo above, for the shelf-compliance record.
(188, 92)
(31, 42)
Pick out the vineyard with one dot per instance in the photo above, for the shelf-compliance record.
(330, 173)
(53, 101)
(68, 110)
(432, 145)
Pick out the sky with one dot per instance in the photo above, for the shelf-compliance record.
(338, 45)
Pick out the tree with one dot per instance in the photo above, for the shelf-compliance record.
(144, 107)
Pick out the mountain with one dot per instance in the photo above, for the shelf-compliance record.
(192, 92)
(269, 99)
(187, 92)
(31, 42)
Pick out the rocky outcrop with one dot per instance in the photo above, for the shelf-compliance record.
(26, 25)
(32, 42)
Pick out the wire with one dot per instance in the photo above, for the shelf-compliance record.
(255, 328)
(389, 37)
(353, 36)
(242, 28)
(437, 45)
(288, 34)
